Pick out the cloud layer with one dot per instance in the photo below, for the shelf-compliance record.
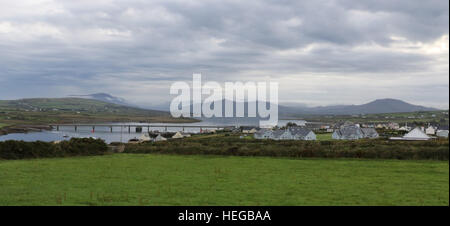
(321, 52)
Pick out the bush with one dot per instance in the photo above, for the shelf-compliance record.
(232, 145)
(74, 147)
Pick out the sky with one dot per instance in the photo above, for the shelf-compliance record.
(320, 52)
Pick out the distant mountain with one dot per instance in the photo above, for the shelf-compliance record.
(374, 107)
(294, 109)
(105, 98)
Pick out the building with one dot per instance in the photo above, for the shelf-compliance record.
(416, 134)
(291, 133)
(393, 125)
(348, 133)
(404, 128)
(264, 134)
(177, 135)
(301, 133)
(247, 129)
(370, 133)
(145, 137)
(160, 138)
(430, 130)
(354, 132)
(282, 135)
(442, 131)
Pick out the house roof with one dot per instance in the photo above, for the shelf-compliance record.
(299, 131)
(443, 128)
(416, 133)
(348, 131)
(248, 127)
(159, 137)
(369, 132)
(278, 133)
(262, 131)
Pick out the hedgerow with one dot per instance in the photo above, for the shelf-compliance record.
(371, 149)
(74, 147)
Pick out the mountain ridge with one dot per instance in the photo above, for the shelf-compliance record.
(384, 105)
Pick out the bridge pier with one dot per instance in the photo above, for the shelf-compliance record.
(111, 128)
(76, 128)
(129, 129)
(57, 128)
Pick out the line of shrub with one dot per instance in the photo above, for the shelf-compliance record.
(378, 149)
(74, 147)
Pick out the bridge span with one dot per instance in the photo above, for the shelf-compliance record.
(139, 127)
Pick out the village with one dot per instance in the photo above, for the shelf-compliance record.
(310, 131)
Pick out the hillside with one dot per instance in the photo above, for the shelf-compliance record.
(105, 97)
(69, 110)
(379, 106)
(375, 107)
(74, 105)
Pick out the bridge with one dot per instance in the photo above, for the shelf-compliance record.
(140, 126)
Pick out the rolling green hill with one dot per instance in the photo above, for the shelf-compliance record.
(69, 110)
(73, 105)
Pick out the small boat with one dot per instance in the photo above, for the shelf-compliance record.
(66, 136)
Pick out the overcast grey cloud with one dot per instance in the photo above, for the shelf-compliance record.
(320, 52)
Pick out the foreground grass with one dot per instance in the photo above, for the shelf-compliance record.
(148, 179)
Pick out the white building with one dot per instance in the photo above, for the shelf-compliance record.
(160, 138)
(442, 133)
(144, 137)
(416, 134)
(177, 135)
(354, 132)
(430, 130)
(292, 133)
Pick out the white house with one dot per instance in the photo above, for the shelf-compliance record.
(354, 132)
(160, 138)
(264, 134)
(301, 133)
(177, 135)
(430, 130)
(291, 133)
(249, 130)
(403, 128)
(442, 133)
(416, 134)
(144, 137)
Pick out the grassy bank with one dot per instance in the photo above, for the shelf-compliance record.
(149, 179)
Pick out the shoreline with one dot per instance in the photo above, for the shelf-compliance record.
(23, 129)
(26, 128)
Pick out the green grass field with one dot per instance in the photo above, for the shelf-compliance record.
(150, 179)
(324, 136)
